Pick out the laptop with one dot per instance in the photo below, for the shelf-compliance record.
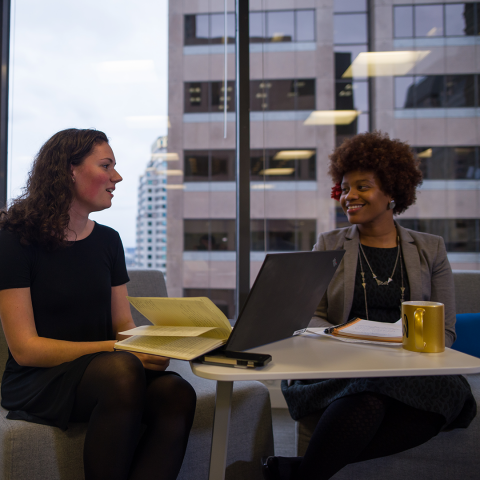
(281, 302)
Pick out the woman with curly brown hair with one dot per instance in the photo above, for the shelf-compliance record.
(62, 305)
(384, 264)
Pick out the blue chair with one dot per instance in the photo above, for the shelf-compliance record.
(468, 334)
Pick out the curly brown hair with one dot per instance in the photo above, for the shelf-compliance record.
(41, 214)
(391, 160)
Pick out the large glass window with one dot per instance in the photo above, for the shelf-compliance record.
(269, 26)
(432, 91)
(436, 20)
(282, 165)
(460, 235)
(282, 235)
(448, 163)
(271, 165)
(459, 19)
(428, 20)
(209, 235)
(204, 29)
(298, 94)
(350, 28)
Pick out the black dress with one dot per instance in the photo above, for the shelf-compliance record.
(447, 395)
(71, 298)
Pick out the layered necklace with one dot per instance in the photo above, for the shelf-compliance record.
(380, 282)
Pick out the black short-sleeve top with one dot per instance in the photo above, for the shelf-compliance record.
(70, 286)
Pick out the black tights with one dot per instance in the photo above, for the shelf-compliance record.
(116, 396)
(357, 428)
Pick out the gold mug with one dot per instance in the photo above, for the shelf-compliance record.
(423, 326)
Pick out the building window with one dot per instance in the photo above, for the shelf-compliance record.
(460, 235)
(271, 165)
(436, 20)
(273, 95)
(436, 91)
(224, 299)
(209, 235)
(283, 165)
(350, 28)
(283, 235)
(209, 165)
(449, 163)
(269, 26)
(208, 29)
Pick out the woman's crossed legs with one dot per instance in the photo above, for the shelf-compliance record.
(116, 396)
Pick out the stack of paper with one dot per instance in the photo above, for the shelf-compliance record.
(367, 330)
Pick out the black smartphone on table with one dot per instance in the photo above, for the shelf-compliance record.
(227, 358)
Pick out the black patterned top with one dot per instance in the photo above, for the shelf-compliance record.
(383, 300)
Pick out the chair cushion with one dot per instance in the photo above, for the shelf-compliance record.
(468, 334)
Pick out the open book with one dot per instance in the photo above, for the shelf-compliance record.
(368, 330)
(183, 328)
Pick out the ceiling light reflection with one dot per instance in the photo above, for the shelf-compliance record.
(294, 155)
(381, 64)
(277, 171)
(262, 186)
(174, 187)
(332, 117)
(425, 154)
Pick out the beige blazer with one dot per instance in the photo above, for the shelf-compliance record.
(428, 271)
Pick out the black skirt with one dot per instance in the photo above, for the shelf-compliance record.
(447, 395)
(47, 395)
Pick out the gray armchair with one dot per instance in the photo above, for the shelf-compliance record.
(449, 455)
(38, 452)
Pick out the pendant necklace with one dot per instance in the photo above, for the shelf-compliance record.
(379, 282)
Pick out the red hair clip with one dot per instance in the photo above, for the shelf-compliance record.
(336, 192)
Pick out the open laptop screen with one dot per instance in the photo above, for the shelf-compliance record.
(284, 297)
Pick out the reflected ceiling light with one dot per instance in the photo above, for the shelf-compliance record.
(277, 171)
(165, 156)
(127, 71)
(277, 37)
(332, 117)
(294, 155)
(175, 187)
(262, 186)
(381, 64)
(169, 172)
(425, 154)
(148, 121)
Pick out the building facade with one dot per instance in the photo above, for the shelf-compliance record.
(319, 74)
(151, 242)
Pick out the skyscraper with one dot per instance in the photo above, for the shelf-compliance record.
(151, 245)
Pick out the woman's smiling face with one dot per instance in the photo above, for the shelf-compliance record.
(95, 179)
(363, 199)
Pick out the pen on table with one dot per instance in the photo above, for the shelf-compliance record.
(331, 329)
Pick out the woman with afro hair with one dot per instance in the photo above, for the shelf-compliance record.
(363, 418)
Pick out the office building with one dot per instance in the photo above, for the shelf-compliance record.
(318, 74)
(151, 244)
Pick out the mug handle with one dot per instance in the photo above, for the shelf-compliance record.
(418, 321)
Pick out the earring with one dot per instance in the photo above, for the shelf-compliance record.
(73, 179)
(392, 205)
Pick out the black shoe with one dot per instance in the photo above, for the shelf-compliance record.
(270, 468)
